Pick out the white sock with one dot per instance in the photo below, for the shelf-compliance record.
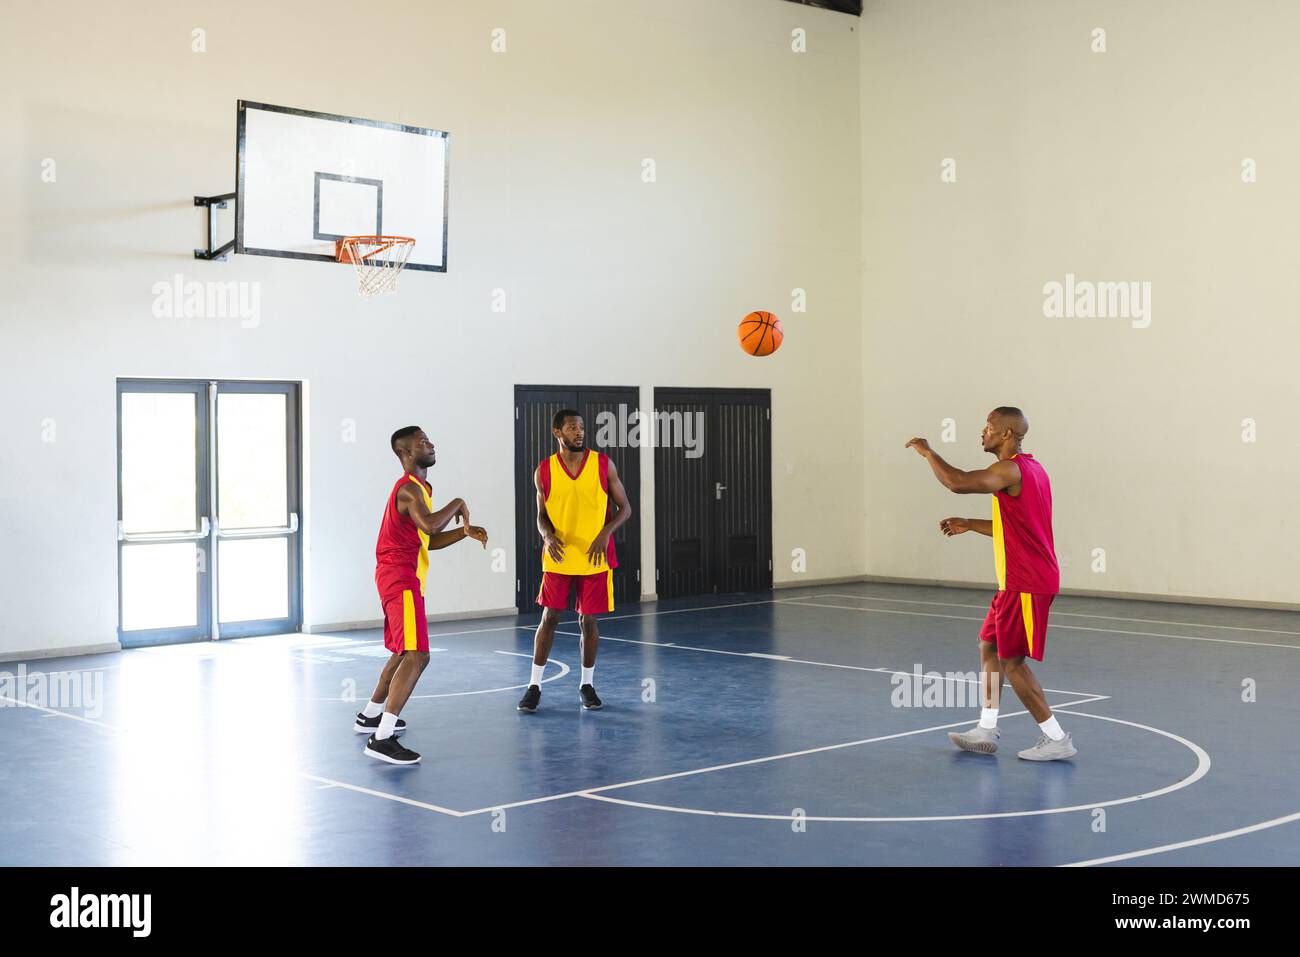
(988, 718)
(536, 677)
(588, 675)
(373, 710)
(1052, 729)
(386, 725)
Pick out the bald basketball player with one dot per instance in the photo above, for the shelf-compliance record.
(410, 529)
(1024, 558)
(581, 502)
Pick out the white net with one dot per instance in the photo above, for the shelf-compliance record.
(378, 260)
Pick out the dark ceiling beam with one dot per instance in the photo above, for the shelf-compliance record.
(853, 7)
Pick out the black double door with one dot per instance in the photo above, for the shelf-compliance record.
(713, 491)
(607, 413)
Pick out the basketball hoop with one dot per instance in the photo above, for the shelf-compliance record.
(378, 260)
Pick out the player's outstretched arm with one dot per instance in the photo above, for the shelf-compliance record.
(596, 553)
(999, 475)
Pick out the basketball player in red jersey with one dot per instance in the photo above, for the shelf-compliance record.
(410, 529)
(577, 490)
(1024, 558)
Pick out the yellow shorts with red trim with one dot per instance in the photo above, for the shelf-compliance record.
(405, 626)
(1017, 621)
(595, 592)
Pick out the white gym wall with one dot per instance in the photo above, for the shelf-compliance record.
(775, 171)
(756, 152)
(1123, 165)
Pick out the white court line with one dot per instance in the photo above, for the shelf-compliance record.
(514, 804)
(564, 670)
(32, 672)
(53, 713)
(383, 794)
(682, 611)
(470, 631)
(794, 601)
(800, 661)
(162, 657)
(590, 792)
(807, 601)
(326, 783)
(647, 614)
(1104, 631)
(1071, 614)
(432, 635)
(1202, 768)
(1208, 839)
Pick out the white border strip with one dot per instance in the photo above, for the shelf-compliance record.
(1070, 614)
(803, 661)
(1202, 768)
(1104, 631)
(53, 713)
(1208, 839)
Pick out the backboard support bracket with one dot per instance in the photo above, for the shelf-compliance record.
(219, 202)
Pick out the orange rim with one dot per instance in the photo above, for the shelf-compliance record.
(345, 249)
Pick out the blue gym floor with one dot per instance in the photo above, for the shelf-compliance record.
(743, 730)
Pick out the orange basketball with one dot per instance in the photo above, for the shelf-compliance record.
(760, 333)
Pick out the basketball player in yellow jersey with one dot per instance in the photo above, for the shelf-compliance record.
(577, 493)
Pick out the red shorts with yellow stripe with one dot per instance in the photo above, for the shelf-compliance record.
(595, 592)
(1017, 621)
(405, 627)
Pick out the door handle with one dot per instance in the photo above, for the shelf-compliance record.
(267, 532)
(718, 489)
(145, 537)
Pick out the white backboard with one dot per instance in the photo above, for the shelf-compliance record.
(305, 179)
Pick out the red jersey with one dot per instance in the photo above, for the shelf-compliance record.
(1023, 553)
(402, 551)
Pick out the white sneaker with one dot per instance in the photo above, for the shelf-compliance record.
(983, 740)
(1048, 750)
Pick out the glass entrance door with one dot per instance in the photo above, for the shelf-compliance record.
(257, 508)
(163, 522)
(208, 504)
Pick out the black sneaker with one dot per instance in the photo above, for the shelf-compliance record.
(389, 750)
(366, 725)
(530, 699)
(589, 699)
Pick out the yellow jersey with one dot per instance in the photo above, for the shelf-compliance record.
(578, 505)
